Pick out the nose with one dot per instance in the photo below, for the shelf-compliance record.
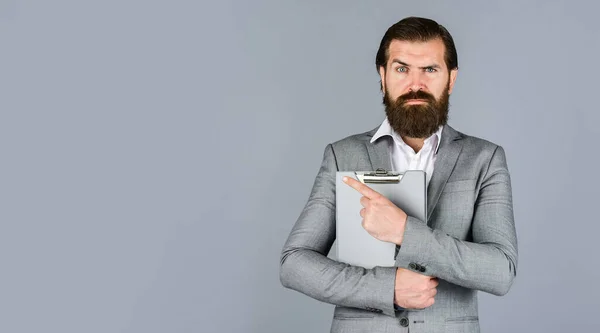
(416, 81)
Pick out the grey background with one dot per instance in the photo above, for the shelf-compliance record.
(155, 154)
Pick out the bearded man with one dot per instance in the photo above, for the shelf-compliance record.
(468, 244)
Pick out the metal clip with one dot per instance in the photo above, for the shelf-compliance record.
(379, 176)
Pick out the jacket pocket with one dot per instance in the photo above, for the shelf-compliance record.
(462, 319)
(344, 313)
(462, 325)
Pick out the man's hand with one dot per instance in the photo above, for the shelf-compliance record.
(381, 218)
(413, 290)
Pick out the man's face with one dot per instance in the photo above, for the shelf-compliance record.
(417, 87)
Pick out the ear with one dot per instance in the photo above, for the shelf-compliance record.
(453, 74)
(382, 77)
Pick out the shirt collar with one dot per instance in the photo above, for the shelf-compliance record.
(386, 130)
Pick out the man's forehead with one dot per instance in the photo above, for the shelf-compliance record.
(432, 50)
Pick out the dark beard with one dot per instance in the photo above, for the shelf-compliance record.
(417, 121)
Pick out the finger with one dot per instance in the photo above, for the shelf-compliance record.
(362, 213)
(361, 188)
(364, 201)
(426, 301)
(433, 283)
(433, 292)
(430, 302)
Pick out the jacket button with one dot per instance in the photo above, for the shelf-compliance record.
(417, 267)
(412, 265)
(422, 269)
(404, 322)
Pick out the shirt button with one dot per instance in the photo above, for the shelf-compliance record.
(404, 322)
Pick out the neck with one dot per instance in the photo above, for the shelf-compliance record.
(415, 143)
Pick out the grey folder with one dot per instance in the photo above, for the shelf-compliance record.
(355, 245)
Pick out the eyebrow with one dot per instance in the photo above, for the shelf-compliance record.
(405, 64)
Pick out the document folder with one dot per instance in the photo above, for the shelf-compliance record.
(354, 245)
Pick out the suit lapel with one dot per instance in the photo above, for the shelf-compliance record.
(379, 154)
(447, 156)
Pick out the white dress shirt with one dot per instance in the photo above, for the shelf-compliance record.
(403, 157)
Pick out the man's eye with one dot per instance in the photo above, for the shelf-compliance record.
(430, 70)
(402, 69)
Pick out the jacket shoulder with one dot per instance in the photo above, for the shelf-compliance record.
(351, 152)
(477, 143)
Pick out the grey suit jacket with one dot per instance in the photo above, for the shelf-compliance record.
(469, 241)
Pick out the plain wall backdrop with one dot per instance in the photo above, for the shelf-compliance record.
(154, 155)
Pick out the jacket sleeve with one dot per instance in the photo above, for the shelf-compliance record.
(304, 265)
(489, 262)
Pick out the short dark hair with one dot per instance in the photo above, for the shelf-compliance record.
(417, 29)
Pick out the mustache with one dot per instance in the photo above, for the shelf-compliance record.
(419, 94)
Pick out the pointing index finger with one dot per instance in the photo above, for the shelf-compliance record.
(361, 188)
